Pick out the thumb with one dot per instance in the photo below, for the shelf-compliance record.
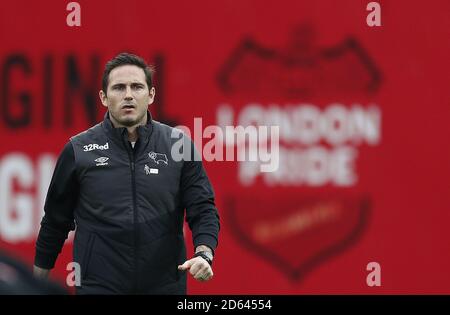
(187, 264)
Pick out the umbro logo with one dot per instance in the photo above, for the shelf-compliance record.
(101, 161)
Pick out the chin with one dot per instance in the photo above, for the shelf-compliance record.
(128, 122)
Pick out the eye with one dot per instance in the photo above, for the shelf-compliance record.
(118, 87)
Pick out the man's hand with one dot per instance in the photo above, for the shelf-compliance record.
(40, 273)
(198, 268)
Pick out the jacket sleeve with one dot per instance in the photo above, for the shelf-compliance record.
(198, 200)
(60, 202)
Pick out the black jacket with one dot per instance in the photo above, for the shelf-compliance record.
(128, 208)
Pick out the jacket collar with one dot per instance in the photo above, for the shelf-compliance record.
(143, 132)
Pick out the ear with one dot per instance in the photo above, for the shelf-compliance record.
(151, 95)
(103, 98)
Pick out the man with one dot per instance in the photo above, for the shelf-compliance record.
(118, 183)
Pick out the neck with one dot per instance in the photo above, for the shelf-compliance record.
(132, 133)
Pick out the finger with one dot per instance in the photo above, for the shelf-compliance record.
(204, 274)
(187, 265)
(196, 267)
(200, 274)
(204, 277)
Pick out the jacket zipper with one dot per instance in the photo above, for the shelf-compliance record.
(131, 156)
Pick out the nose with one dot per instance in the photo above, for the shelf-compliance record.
(128, 95)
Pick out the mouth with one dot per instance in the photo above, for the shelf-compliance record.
(128, 106)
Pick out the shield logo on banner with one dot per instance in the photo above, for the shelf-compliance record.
(295, 235)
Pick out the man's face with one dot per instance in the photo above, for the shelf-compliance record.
(128, 96)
